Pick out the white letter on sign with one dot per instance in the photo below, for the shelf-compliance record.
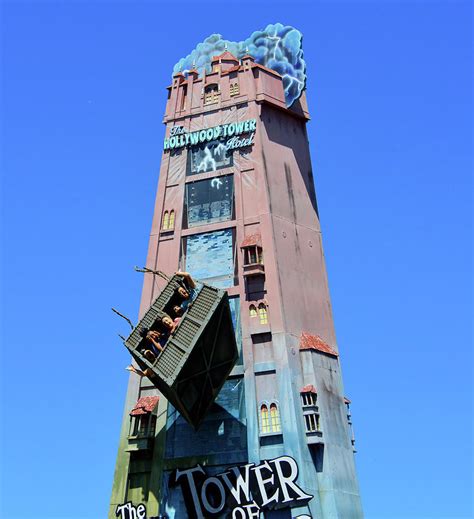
(290, 480)
(205, 501)
(262, 482)
(192, 486)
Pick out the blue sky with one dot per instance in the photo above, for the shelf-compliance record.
(83, 95)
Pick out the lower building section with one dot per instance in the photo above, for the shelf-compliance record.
(277, 442)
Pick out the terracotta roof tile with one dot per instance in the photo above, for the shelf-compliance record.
(226, 55)
(309, 389)
(314, 342)
(145, 405)
(231, 69)
(252, 239)
(257, 65)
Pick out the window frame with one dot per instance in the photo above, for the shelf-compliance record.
(184, 256)
(210, 221)
(234, 89)
(262, 310)
(269, 425)
(211, 94)
(311, 416)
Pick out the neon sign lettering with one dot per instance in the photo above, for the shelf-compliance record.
(179, 137)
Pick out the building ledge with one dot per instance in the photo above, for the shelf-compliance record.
(264, 367)
(257, 329)
(270, 434)
(314, 437)
(237, 371)
(310, 409)
(254, 269)
(209, 227)
(139, 443)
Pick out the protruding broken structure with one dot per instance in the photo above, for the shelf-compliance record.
(199, 354)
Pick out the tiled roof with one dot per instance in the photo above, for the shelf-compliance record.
(309, 389)
(253, 239)
(314, 342)
(145, 405)
(226, 55)
(231, 69)
(257, 65)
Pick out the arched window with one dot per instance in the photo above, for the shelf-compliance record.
(234, 89)
(166, 220)
(262, 313)
(264, 420)
(252, 311)
(211, 93)
(171, 221)
(275, 418)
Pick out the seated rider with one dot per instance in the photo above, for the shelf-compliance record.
(156, 340)
(187, 295)
(169, 324)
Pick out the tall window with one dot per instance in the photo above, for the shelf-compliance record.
(220, 247)
(264, 420)
(171, 220)
(252, 311)
(311, 422)
(270, 419)
(310, 409)
(211, 94)
(166, 221)
(209, 201)
(275, 418)
(144, 425)
(253, 254)
(262, 313)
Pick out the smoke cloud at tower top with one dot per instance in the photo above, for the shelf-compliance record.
(278, 47)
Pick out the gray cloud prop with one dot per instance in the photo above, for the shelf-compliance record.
(278, 47)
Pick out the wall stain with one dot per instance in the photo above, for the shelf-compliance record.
(289, 186)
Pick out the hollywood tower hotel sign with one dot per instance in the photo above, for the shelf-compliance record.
(236, 208)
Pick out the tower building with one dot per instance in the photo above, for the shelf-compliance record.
(236, 207)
